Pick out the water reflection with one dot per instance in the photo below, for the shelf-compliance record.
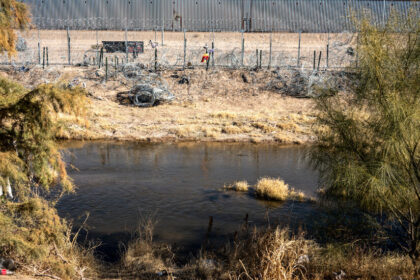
(119, 182)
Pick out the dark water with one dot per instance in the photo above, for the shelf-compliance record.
(121, 183)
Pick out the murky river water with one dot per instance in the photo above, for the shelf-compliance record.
(121, 183)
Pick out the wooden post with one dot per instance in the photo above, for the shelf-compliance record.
(46, 50)
(314, 59)
(260, 59)
(185, 49)
(319, 60)
(269, 58)
(155, 59)
(243, 48)
(68, 45)
(210, 225)
(298, 58)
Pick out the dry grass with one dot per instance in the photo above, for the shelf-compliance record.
(40, 242)
(269, 189)
(204, 114)
(145, 258)
(276, 254)
(272, 189)
(239, 186)
(267, 254)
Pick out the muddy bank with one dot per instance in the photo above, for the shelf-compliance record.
(216, 105)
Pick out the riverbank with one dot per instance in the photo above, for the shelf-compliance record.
(216, 105)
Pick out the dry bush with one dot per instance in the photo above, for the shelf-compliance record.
(266, 128)
(239, 186)
(39, 241)
(272, 189)
(276, 254)
(259, 254)
(359, 263)
(231, 129)
(144, 257)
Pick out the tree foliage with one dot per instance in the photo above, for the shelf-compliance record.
(29, 121)
(368, 150)
(13, 15)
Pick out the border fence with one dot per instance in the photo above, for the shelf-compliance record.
(71, 32)
(313, 16)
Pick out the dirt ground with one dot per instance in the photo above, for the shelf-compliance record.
(215, 106)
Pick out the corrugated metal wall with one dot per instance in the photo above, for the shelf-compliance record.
(208, 15)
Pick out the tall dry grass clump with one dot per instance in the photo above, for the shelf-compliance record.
(239, 186)
(268, 188)
(271, 188)
(144, 257)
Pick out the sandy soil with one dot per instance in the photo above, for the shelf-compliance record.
(215, 106)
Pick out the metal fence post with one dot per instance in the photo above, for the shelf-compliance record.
(328, 48)
(185, 49)
(43, 58)
(163, 32)
(68, 44)
(212, 53)
(260, 59)
(243, 48)
(257, 58)
(156, 57)
(106, 69)
(39, 50)
(269, 58)
(126, 44)
(46, 50)
(319, 60)
(298, 58)
(328, 51)
(314, 59)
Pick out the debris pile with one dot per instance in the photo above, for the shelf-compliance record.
(306, 84)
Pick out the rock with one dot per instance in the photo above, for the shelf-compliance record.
(184, 80)
(339, 275)
(350, 51)
(304, 259)
(244, 78)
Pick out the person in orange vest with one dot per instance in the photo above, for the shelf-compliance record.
(206, 55)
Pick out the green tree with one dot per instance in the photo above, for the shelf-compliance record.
(368, 150)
